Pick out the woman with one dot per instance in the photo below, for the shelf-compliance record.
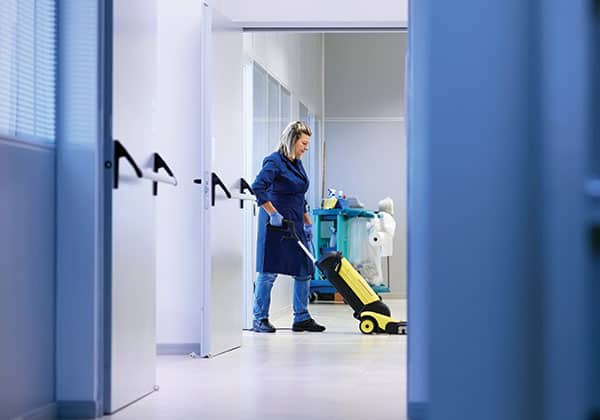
(279, 188)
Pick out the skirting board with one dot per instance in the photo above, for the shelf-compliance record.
(78, 409)
(177, 348)
(417, 410)
(47, 412)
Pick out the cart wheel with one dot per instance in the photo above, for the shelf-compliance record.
(367, 325)
(313, 297)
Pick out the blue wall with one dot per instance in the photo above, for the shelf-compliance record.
(570, 130)
(27, 279)
(505, 240)
(476, 264)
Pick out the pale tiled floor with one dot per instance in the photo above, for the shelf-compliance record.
(338, 374)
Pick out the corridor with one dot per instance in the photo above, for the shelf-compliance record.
(340, 374)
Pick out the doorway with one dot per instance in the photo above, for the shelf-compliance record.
(355, 110)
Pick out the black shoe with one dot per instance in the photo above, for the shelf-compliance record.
(308, 325)
(263, 326)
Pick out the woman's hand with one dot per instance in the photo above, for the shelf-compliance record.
(276, 219)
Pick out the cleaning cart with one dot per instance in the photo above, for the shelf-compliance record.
(331, 227)
(373, 314)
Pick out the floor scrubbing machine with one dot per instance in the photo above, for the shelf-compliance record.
(373, 314)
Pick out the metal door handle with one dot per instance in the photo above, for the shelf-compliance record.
(215, 180)
(119, 152)
(158, 163)
(156, 177)
(243, 187)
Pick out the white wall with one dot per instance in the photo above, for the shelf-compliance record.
(295, 60)
(317, 13)
(364, 127)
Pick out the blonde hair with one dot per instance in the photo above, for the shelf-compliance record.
(290, 136)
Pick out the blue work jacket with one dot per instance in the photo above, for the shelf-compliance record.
(284, 183)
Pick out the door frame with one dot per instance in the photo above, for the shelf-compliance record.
(249, 221)
(106, 86)
(316, 159)
(205, 117)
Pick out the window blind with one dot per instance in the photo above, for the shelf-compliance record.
(28, 69)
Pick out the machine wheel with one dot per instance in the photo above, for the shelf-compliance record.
(313, 297)
(367, 325)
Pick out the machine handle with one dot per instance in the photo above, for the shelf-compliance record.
(119, 152)
(215, 180)
(287, 228)
(289, 233)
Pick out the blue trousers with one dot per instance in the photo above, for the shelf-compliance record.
(262, 296)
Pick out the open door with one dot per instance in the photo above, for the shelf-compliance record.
(179, 213)
(130, 370)
(223, 140)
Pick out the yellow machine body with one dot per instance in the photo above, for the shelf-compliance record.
(373, 314)
(357, 283)
(381, 321)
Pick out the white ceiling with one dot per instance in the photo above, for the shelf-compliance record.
(316, 13)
